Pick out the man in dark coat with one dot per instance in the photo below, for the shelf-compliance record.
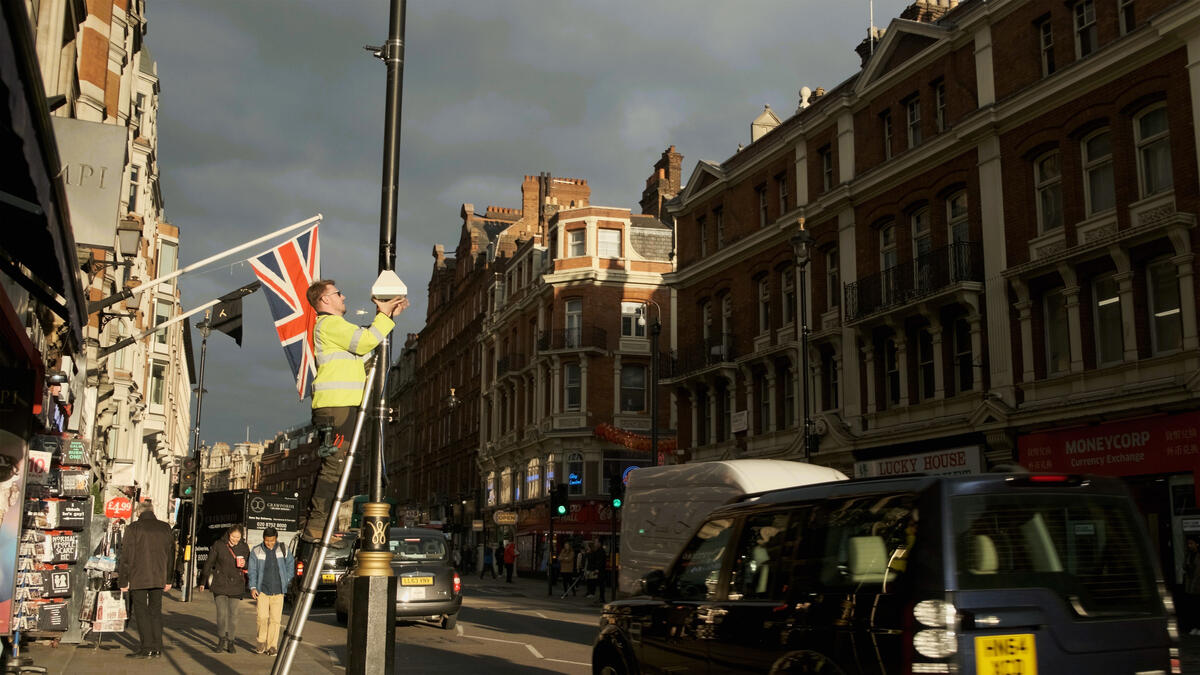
(144, 568)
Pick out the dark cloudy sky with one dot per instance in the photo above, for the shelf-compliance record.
(271, 112)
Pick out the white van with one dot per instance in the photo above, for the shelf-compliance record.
(665, 504)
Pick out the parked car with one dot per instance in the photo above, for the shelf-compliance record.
(427, 586)
(337, 563)
(992, 573)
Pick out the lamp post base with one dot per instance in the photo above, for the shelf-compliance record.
(371, 634)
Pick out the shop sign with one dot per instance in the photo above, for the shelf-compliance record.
(1161, 444)
(505, 517)
(937, 463)
(477, 525)
(737, 421)
(93, 161)
(118, 507)
(1190, 525)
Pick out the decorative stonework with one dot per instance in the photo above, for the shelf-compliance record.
(1155, 215)
(1105, 230)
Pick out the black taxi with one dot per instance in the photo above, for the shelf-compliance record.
(991, 573)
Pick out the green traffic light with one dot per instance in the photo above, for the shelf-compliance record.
(616, 502)
(562, 510)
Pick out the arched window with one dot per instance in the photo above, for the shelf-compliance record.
(1047, 176)
(1098, 191)
(533, 479)
(1154, 151)
(550, 477)
(506, 486)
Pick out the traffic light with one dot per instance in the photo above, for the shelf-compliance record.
(187, 477)
(559, 501)
(616, 490)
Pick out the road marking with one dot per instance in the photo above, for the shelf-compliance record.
(542, 615)
(532, 650)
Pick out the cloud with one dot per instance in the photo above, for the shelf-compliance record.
(271, 111)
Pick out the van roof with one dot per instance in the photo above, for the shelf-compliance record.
(749, 475)
(958, 484)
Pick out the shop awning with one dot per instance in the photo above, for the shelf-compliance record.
(38, 250)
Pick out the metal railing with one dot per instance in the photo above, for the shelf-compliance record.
(573, 338)
(914, 279)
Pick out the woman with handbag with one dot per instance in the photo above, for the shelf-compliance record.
(225, 575)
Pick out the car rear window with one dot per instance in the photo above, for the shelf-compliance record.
(418, 548)
(1084, 547)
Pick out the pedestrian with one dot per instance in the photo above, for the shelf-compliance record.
(225, 575)
(337, 390)
(498, 556)
(144, 571)
(597, 564)
(489, 561)
(566, 567)
(1189, 613)
(510, 560)
(271, 570)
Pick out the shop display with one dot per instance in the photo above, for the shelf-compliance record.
(51, 559)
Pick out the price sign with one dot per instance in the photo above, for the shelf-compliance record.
(118, 507)
(39, 467)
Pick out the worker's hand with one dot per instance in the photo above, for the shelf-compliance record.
(254, 593)
(166, 588)
(391, 307)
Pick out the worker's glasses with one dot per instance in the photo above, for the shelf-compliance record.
(334, 293)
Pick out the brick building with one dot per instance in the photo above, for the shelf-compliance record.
(289, 464)
(530, 304)
(1002, 204)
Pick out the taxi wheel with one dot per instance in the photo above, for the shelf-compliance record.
(449, 621)
(806, 663)
(609, 663)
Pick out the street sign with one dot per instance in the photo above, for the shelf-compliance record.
(118, 507)
(505, 517)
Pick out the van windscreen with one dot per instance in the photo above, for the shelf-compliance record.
(1084, 547)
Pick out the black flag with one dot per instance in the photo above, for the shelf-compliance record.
(227, 315)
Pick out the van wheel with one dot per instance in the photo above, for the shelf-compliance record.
(805, 663)
(342, 617)
(449, 621)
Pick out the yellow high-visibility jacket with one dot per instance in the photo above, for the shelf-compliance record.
(340, 346)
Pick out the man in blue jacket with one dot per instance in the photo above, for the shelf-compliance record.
(271, 570)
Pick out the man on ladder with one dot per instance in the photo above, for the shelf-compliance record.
(337, 391)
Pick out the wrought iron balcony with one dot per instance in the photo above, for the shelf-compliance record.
(707, 353)
(510, 362)
(914, 279)
(573, 338)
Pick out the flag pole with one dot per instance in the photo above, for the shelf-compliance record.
(121, 344)
(130, 292)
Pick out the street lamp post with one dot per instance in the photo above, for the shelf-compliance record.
(800, 246)
(655, 331)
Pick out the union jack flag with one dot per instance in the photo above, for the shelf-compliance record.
(286, 272)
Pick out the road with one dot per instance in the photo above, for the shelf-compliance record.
(501, 629)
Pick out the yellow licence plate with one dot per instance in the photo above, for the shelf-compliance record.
(329, 578)
(1005, 655)
(416, 581)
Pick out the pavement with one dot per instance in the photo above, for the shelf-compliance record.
(188, 635)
